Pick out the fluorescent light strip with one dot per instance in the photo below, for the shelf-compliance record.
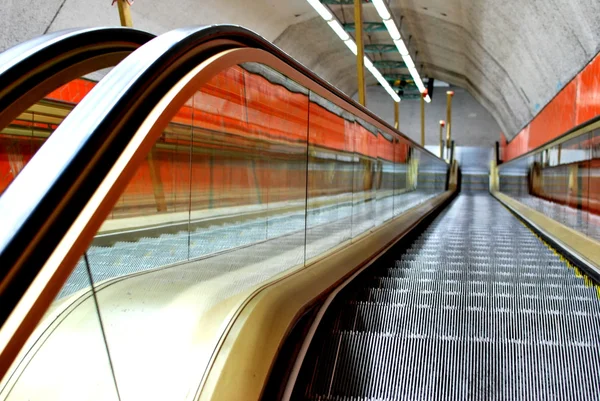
(349, 42)
(397, 39)
(339, 30)
(352, 46)
(382, 81)
(381, 9)
(321, 9)
(392, 29)
(420, 85)
(410, 64)
(401, 47)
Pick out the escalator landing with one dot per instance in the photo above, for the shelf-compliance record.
(477, 307)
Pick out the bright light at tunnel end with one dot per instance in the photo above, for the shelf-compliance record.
(349, 42)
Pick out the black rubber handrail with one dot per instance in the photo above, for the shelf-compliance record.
(91, 139)
(32, 69)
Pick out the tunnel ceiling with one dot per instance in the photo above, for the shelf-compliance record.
(512, 55)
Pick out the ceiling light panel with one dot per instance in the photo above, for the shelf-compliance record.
(408, 61)
(352, 46)
(392, 29)
(382, 9)
(321, 9)
(402, 49)
(349, 42)
(339, 30)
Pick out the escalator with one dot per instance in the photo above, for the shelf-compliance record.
(476, 307)
(199, 206)
(186, 195)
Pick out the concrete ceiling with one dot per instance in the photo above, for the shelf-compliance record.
(21, 20)
(513, 56)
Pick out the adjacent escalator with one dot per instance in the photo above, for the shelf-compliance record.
(477, 307)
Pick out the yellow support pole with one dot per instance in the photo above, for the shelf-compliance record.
(397, 115)
(125, 13)
(449, 95)
(442, 123)
(423, 118)
(360, 54)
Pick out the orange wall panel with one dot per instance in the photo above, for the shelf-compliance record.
(72, 92)
(556, 118)
(518, 145)
(588, 92)
(575, 104)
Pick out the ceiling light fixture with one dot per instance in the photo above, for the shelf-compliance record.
(352, 46)
(410, 64)
(401, 47)
(382, 9)
(321, 9)
(394, 32)
(335, 25)
(338, 29)
(392, 29)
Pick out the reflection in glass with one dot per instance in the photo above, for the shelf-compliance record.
(560, 181)
(401, 159)
(365, 173)
(65, 358)
(329, 201)
(21, 139)
(235, 159)
(385, 178)
(253, 176)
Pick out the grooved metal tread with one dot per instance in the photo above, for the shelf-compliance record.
(477, 308)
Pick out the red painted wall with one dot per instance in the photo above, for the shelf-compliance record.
(575, 104)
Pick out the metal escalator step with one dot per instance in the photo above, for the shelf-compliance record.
(477, 307)
(512, 289)
(496, 300)
(478, 273)
(509, 266)
(389, 367)
(476, 320)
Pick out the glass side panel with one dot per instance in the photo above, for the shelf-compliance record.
(594, 182)
(401, 159)
(21, 139)
(385, 178)
(560, 182)
(254, 177)
(66, 357)
(365, 167)
(240, 218)
(329, 202)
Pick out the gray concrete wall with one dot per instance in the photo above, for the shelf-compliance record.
(473, 125)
